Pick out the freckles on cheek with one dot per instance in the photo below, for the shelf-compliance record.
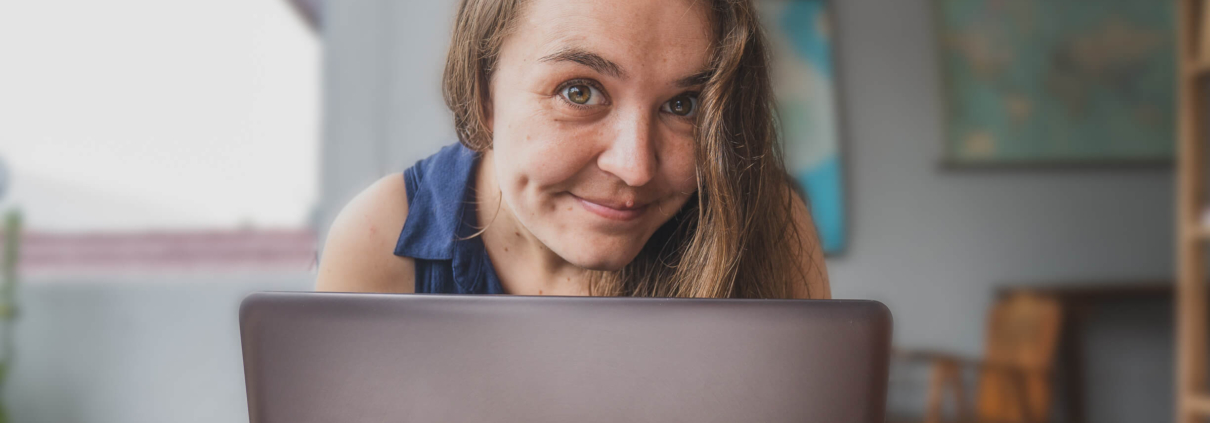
(682, 171)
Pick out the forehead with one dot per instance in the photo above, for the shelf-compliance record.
(642, 36)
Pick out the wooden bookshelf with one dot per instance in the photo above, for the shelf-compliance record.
(1193, 56)
(1198, 233)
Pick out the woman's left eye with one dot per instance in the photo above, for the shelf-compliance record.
(583, 95)
(684, 105)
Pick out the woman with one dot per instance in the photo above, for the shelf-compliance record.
(620, 147)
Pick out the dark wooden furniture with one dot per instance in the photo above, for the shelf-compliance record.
(1014, 375)
(1077, 300)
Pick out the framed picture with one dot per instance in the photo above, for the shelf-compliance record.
(800, 37)
(1057, 82)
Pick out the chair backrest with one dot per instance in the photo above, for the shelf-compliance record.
(1022, 336)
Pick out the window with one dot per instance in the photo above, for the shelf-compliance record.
(132, 117)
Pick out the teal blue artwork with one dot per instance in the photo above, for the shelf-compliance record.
(800, 36)
(1058, 81)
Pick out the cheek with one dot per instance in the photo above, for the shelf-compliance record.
(535, 161)
(537, 153)
(680, 164)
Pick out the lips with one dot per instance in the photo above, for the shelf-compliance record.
(612, 209)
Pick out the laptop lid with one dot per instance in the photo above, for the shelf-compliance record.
(323, 357)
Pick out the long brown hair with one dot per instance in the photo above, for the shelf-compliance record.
(736, 238)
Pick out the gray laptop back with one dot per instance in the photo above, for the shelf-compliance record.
(311, 357)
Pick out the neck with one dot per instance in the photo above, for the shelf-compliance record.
(524, 264)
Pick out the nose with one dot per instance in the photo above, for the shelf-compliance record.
(631, 154)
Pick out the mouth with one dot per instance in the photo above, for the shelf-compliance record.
(612, 210)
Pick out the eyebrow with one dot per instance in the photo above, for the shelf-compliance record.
(607, 67)
(586, 58)
(699, 78)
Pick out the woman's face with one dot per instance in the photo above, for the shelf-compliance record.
(592, 113)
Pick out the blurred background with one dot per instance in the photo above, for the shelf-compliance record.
(999, 173)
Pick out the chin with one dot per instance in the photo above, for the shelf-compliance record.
(603, 256)
(603, 265)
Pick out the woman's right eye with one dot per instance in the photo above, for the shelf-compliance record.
(583, 94)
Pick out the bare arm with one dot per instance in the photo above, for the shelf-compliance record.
(816, 286)
(359, 253)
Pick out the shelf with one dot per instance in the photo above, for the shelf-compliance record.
(1201, 232)
(1196, 233)
(1193, 53)
(1198, 404)
(1198, 68)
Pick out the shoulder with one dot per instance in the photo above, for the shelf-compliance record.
(358, 255)
(810, 254)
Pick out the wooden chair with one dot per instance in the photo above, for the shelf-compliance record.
(1014, 378)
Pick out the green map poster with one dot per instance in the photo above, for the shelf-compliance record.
(1058, 81)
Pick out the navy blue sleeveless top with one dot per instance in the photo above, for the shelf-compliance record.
(441, 220)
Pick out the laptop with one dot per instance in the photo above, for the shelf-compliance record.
(327, 357)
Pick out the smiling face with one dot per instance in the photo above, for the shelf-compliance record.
(592, 118)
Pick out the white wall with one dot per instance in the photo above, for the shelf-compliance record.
(932, 244)
(383, 109)
(141, 349)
